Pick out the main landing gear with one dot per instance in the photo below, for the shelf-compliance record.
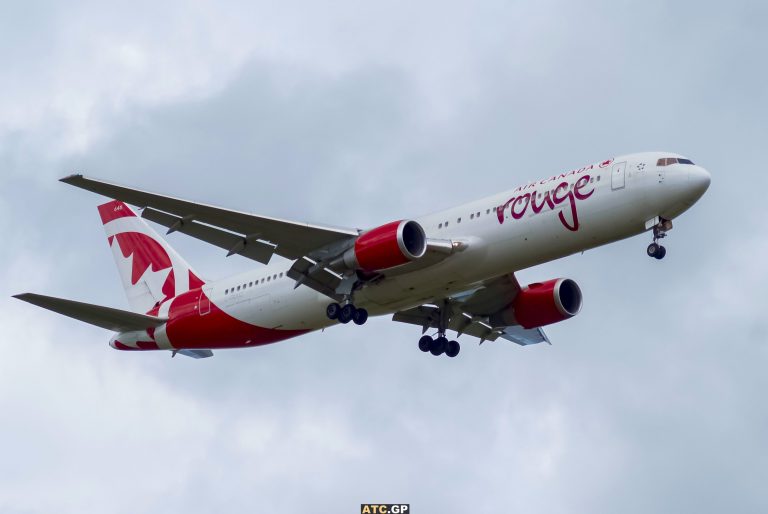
(439, 345)
(346, 313)
(655, 250)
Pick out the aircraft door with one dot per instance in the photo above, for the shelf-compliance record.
(204, 306)
(618, 175)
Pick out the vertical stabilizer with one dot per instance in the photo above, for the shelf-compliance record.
(150, 269)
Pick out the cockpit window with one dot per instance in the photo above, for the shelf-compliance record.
(666, 161)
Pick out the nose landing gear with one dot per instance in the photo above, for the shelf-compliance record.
(655, 250)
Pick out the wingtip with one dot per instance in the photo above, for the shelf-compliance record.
(21, 296)
(71, 178)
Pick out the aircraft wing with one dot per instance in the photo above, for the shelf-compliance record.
(115, 320)
(250, 235)
(472, 313)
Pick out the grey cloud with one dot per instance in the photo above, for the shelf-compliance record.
(650, 400)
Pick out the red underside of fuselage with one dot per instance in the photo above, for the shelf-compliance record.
(188, 329)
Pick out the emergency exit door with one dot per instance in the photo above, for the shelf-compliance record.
(618, 175)
(204, 306)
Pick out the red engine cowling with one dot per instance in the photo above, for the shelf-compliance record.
(387, 246)
(547, 302)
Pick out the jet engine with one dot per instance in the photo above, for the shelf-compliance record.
(542, 303)
(387, 246)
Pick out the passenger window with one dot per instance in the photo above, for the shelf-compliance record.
(440, 225)
(472, 216)
(268, 278)
(488, 211)
(250, 284)
(478, 214)
(238, 288)
(458, 220)
(281, 275)
(226, 291)
(446, 223)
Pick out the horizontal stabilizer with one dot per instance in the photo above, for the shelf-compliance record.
(105, 317)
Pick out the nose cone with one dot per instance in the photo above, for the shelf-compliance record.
(698, 181)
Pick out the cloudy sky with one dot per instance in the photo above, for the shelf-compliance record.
(354, 113)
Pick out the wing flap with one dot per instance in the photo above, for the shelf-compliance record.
(470, 312)
(234, 243)
(306, 271)
(196, 354)
(427, 316)
(424, 316)
(524, 336)
(105, 317)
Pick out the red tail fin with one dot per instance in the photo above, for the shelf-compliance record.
(150, 269)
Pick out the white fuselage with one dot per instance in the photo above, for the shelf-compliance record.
(577, 210)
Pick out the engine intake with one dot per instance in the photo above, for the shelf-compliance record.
(544, 303)
(387, 246)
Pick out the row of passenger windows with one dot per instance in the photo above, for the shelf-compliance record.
(666, 161)
(254, 283)
(476, 215)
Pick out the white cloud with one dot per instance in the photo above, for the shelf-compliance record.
(84, 426)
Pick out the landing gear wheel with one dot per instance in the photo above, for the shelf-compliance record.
(438, 345)
(346, 313)
(661, 253)
(653, 250)
(453, 348)
(425, 343)
(332, 311)
(360, 316)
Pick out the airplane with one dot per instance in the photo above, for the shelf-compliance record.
(453, 270)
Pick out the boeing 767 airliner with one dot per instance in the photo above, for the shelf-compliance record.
(451, 271)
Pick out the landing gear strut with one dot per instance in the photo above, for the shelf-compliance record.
(346, 313)
(655, 250)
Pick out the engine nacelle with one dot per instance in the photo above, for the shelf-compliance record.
(387, 246)
(544, 303)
